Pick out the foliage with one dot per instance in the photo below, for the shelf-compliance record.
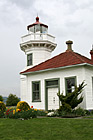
(75, 113)
(17, 113)
(23, 106)
(79, 112)
(91, 112)
(26, 113)
(2, 106)
(12, 100)
(8, 113)
(71, 100)
(1, 98)
(1, 114)
(41, 112)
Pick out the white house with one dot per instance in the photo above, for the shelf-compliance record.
(44, 76)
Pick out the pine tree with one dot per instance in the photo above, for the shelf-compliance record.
(71, 100)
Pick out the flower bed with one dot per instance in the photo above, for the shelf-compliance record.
(22, 111)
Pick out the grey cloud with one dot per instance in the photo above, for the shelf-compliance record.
(66, 19)
(23, 3)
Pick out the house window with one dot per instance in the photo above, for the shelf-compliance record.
(36, 91)
(29, 59)
(70, 84)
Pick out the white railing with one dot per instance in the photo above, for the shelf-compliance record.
(38, 37)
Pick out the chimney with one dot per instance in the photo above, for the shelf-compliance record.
(69, 45)
(91, 53)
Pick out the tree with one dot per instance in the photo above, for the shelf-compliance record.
(12, 100)
(1, 98)
(71, 100)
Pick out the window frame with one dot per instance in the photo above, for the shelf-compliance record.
(66, 83)
(31, 59)
(39, 100)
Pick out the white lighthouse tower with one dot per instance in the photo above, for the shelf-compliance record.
(37, 44)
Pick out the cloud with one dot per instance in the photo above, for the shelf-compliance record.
(25, 4)
(10, 13)
(67, 19)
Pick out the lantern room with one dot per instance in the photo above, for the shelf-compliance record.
(37, 44)
(37, 27)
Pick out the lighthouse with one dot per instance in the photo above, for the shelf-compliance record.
(37, 44)
(44, 76)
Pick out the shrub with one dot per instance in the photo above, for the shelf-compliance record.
(1, 98)
(2, 106)
(79, 112)
(12, 100)
(65, 107)
(23, 106)
(71, 100)
(65, 114)
(28, 114)
(9, 113)
(1, 114)
(88, 112)
(41, 112)
(91, 112)
(23, 114)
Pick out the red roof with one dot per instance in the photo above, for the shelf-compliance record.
(37, 22)
(67, 58)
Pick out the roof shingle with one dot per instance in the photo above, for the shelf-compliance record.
(64, 59)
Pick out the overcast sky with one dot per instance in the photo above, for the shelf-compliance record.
(66, 19)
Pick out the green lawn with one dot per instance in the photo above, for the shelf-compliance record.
(46, 129)
(88, 117)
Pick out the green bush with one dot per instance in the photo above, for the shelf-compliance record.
(91, 112)
(2, 106)
(24, 114)
(41, 112)
(79, 112)
(1, 114)
(65, 107)
(73, 113)
(88, 112)
(9, 113)
(18, 113)
(1, 98)
(65, 114)
(23, 106)
(71, 100)
(28, 114)
(12, 100)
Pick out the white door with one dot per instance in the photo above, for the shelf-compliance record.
(53, 99)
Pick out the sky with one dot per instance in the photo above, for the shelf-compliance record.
(66, 20)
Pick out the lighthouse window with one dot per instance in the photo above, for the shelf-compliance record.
(29, 59)
(44, 29)
(37, 28)
(32, 29)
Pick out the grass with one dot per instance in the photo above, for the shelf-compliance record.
(88, 117)
(46, 129)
